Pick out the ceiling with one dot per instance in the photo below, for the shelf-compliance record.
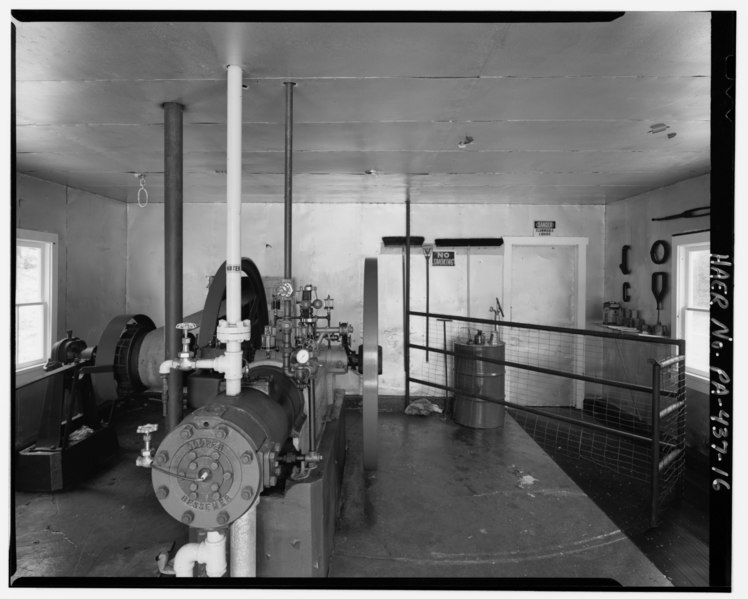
(559, 113)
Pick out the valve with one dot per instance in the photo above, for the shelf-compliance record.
(145, 459)
(186, 327)
(309, 458)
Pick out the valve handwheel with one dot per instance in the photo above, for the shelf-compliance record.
(284, 289)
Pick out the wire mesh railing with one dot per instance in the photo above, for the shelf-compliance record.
(617, 400)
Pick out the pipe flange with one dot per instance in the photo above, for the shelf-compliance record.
(206, 473)
(240, 331)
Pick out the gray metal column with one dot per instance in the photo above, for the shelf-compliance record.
(173, 235)
(287, 228)
(288, 181)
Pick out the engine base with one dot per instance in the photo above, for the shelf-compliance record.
(295, 531)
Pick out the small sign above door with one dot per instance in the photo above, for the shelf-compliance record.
(544, 228)
(443, 258)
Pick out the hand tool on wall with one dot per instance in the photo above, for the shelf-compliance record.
(659, 290)
(692, 213)
(624, 265)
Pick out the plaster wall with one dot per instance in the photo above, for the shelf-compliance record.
(92, 242)
(42, 206)
(92, 238)
(630, 222)
(329, 244)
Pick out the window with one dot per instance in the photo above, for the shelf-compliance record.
(692, 301)
(36, 306)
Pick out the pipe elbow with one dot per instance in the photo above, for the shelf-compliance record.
(185, 560)
(211, 552)
(165, 367)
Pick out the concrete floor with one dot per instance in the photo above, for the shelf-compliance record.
(446, 501)
(109, 525)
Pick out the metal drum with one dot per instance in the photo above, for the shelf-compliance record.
(472, 377)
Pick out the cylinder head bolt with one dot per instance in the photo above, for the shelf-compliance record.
(206, 473)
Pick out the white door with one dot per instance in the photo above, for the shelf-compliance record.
(544, 284)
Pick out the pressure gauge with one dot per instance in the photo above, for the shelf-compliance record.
(302, 356)
(284, 290)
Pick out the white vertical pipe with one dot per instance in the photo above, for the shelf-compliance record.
(233, 195)
(232, 331)
(243, 545)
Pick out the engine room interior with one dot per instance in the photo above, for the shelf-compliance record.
(377, 300)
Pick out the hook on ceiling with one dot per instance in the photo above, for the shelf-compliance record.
(142, 191)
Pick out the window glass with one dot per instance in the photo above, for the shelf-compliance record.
(29, 269)
(692, 299)
(698, 278)
(35, 297)
(30, 327)
(697, 340)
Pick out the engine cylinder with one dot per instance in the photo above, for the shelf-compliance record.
(213, 466)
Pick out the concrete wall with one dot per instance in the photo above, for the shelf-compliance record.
(92, 237)
(630, 222)
(330, 242)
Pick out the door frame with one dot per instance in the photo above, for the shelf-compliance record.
(581, 292)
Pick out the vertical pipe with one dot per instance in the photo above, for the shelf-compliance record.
(655, 443)
(243, 545)
(406, 326)
(173, 234)
(287, 225)
(288, 189)
(312, 417)
(233, 330)
(233, 194)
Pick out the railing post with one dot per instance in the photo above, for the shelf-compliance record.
(683, 414)
(447, 406)
(406, 327)
(655, 500)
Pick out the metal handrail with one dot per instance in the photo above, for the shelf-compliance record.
(572, 331)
